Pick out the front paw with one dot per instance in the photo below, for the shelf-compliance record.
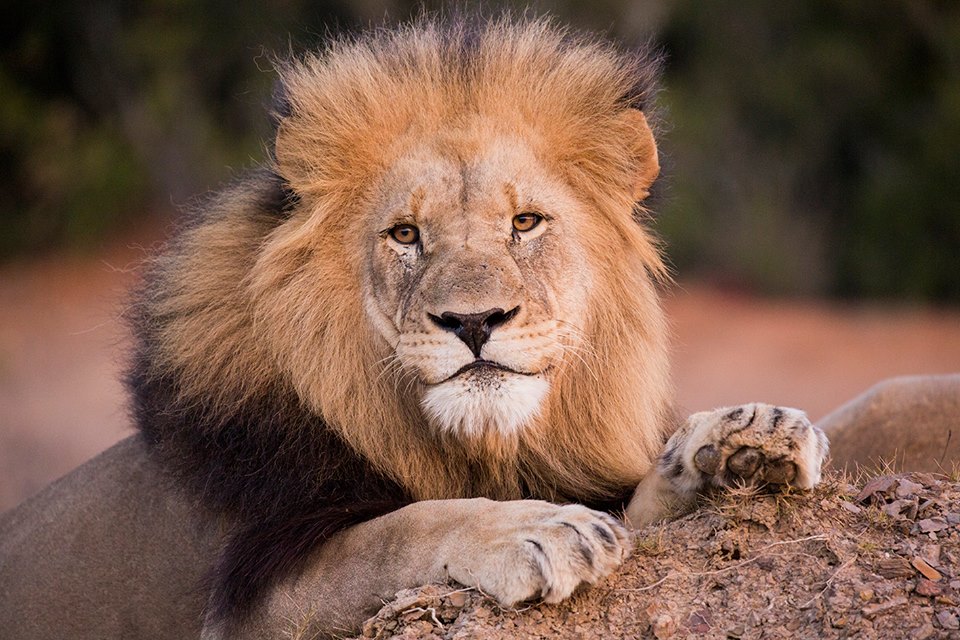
(750, 444)
(530, 549)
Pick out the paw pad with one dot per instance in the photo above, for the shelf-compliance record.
(745, 462)
(753, 444)
(708, 459)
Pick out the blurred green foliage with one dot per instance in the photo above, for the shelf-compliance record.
(811, 145)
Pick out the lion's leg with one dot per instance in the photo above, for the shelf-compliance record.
(913, 421)
(754, 443)
(513, 551)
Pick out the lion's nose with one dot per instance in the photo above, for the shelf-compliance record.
(474, 328)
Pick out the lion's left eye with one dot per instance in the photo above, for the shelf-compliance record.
(526, 221)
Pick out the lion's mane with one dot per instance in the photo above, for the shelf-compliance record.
(258, 382)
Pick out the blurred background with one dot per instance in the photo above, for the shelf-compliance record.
(810, 203)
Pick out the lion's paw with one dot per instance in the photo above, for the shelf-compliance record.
(532, 549)
(750, 444)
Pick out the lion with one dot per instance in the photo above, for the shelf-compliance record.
(423, 342)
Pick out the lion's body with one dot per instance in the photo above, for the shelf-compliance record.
(111, 550)
(363, 367)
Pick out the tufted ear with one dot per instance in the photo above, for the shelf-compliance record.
(644, 151)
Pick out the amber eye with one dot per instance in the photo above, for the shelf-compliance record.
(405, 234)
(526, 221)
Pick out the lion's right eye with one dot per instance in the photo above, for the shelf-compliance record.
(405, 234)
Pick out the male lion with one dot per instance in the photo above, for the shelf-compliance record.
(423, 343)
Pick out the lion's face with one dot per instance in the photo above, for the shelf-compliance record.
(443, 263)
(477, 277)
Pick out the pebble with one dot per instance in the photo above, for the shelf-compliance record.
(932, 524)
(873, 609)
(894, 568)
(663, 626)
(923, 567)
(849, 506)
(948, 620)
(875, 486)
(924, 632)
(457, 598)
(907, 488)
(931, 553)
(927, 588)
(698, 622)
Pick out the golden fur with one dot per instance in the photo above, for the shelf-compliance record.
(255, 302)
(285, 353)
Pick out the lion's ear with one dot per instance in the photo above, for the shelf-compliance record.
(644, 151)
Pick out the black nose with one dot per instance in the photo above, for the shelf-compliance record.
(474, 328)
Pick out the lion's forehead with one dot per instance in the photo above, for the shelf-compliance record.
(439, 180)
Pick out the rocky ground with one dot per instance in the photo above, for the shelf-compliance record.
(877, 558)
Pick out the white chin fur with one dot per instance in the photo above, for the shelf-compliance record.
(471, 405)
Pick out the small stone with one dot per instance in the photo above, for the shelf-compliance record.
(866, 595)
(924, 632)
(736, 632)
(873, 609)
(536, 614)
(932, 524)
(877, 486)
(894, 568)
(839, 623)
(663, 626)
(948, 620)
(894, 508)
(457, 598)
(482, 612)
(953, 518)
(849, 506)
(699, 622)
(927, 588)
(931, 553)
(906, 488)
(923, 567)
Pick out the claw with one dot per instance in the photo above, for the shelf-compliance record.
(745, 462)
(707, 459)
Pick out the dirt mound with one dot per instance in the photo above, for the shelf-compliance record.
(879, 559)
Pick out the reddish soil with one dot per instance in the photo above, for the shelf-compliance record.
(62, 346)
(874, 560)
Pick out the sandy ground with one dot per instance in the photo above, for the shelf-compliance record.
(62, 348)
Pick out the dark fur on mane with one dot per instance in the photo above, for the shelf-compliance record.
(284, 481)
